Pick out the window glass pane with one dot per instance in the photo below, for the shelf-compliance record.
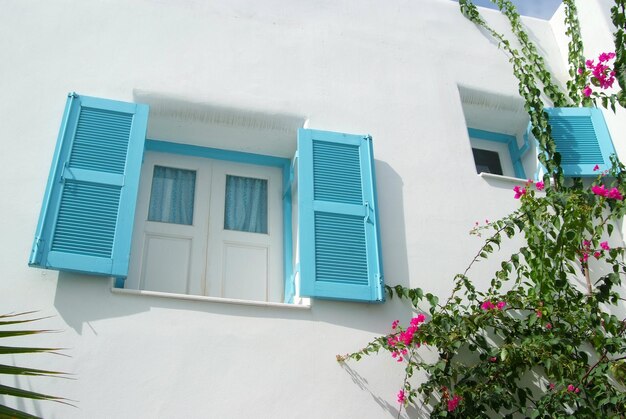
(487, 161)
(246, 204)
(171, 199)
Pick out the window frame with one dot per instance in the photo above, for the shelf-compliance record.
(515, 152)
(282, 163)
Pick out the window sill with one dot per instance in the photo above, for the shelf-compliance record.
(123, 291)
(510, 179)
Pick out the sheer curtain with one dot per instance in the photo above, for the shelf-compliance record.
(172, 195)
(246, 204)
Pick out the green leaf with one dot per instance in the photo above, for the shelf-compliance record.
(521, 395)
(7, 412)
(16, 392)
(26, 350)
(13, 370)
(13, 333)
(432, 299)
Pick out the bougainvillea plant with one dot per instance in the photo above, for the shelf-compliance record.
(546, 338)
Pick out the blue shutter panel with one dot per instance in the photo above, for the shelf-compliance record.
(338, 217)
(88, 210)
(582, 138)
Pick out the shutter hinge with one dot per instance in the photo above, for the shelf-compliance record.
(367, 211)
(72, 95)
(367, 137)
(381, 283)
(36, 252)
(62, 180)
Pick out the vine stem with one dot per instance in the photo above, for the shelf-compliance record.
(477, 256)
(406, 378)
(604, 355)
(588, 279)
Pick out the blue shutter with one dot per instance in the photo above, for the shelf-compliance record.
(88, 209)
(582, 138)
(338, 217)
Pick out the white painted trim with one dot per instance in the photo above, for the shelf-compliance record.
(123, 291)
(510, 179)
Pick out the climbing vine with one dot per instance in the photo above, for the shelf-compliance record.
(547, 337)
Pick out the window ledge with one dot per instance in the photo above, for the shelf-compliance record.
(123, 291)
(510, 179)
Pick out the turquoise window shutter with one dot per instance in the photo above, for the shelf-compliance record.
(582, 138)
(338, 217)
(88, 209)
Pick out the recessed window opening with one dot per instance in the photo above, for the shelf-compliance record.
(487, 161)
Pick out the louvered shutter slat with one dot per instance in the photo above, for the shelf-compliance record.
(338, 218)
(582, 138)
(86, 219)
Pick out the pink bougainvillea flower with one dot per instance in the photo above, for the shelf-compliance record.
(606, 56)
(602, 75)
(395, 324)
(576, 390)
(453, 403)
(596, 168)
(501, 305)
(401, 396)
(585, 257)
(599, 190)
(548, 326)
(614, 193)
(538, 312)
(570, 387)
(581, 70)
(540, 186)
(587, 91)
(493, 359)
(586, 243)
(597, 255)
(519, 191)
(551, 386)
(605, 246)
(487, 305)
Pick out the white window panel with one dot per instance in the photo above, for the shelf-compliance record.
(204, 258)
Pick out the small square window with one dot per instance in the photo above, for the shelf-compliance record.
(245, 208)
(172, 195)
(487, 161)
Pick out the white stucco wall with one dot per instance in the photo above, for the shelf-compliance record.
(390, 69)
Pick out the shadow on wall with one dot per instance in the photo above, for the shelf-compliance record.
(363, 384)
(395, 264)
(392, 225)
(82, 299)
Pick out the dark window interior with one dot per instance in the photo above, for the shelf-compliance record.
(487, 161)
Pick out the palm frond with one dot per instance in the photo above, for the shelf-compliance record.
(13, 319)
(12, 333)
(7, 412)
(14, 370)
(4, 350)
